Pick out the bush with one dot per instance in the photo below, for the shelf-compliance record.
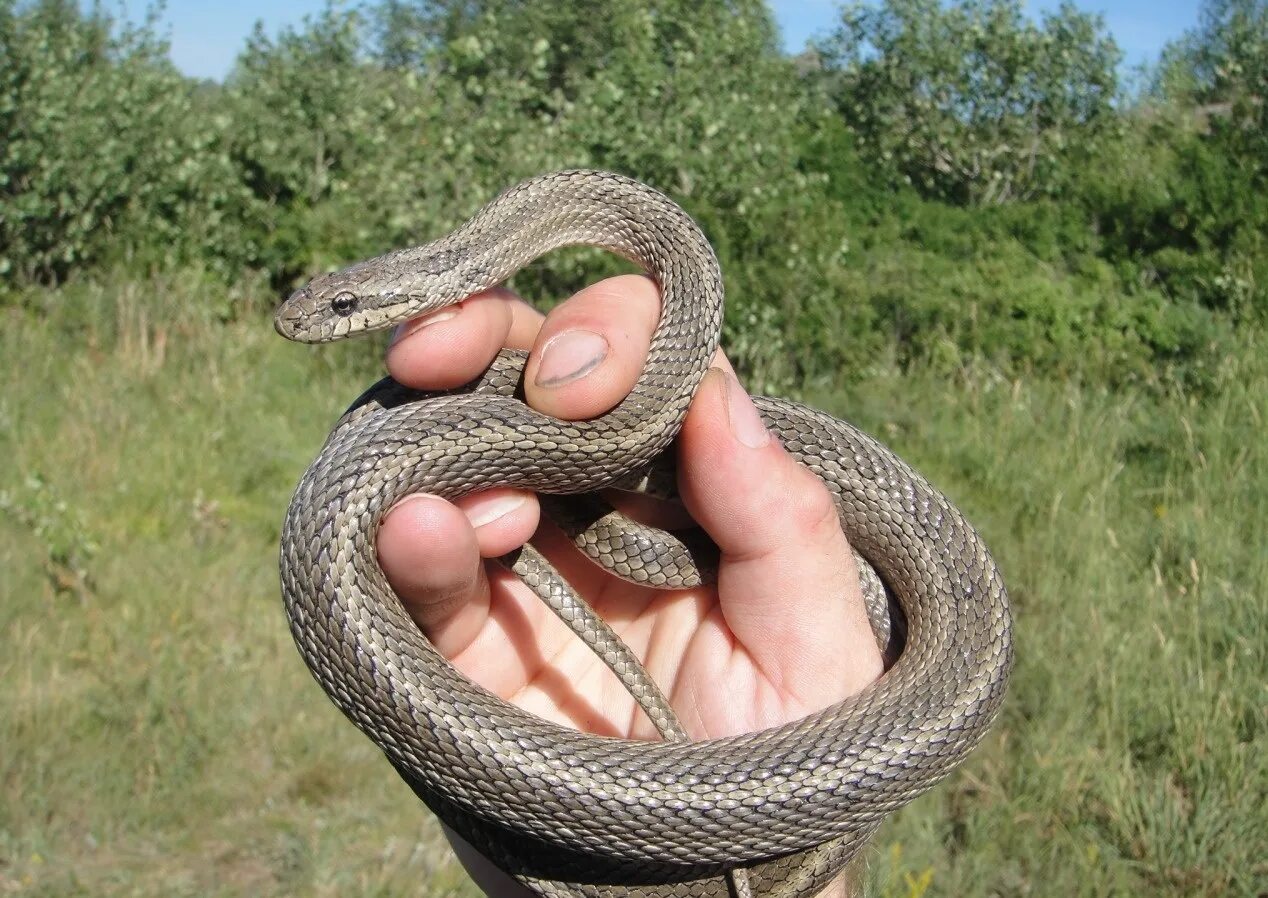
(109, 153)
(971, 102)
(939, 183)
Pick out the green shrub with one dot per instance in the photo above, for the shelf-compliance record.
(109, 153)
(970, 101)
(1063, 233)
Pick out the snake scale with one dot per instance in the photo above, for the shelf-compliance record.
(567, 813)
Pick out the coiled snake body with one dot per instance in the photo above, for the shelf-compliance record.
(570, 813)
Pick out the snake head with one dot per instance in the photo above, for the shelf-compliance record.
(376, 294)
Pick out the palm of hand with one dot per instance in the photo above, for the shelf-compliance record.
(683, 638)
(781, 635)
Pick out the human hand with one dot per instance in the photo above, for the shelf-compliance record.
(782, 634)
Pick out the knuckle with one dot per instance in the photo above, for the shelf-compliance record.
(811, 511)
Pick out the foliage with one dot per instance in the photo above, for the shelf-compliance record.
(971, 102)
(941, 183)
(1223, 64)
(309, 118)
(1049, 297)
(161, 736)
(1175, 210)
(1216, 79)
(105, 152)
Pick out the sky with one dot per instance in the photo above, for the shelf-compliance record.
(206, 37)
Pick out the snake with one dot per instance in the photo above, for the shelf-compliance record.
(566, 813)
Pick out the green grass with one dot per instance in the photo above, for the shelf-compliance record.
(1131, 756)
(160, 736)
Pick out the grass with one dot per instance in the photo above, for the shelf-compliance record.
(1131, 756)
(160, 736)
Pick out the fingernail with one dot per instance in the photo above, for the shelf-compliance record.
(489, 510)
(570, 356)
(416, 325)
(746, 424)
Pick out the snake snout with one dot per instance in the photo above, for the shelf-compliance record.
(290, 318)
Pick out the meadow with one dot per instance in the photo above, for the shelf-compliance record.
(954, 224)
(163, 738)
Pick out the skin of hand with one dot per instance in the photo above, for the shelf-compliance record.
(781, 635)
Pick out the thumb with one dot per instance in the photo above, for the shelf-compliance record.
(787, 580)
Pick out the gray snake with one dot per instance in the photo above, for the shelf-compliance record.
(566, 812)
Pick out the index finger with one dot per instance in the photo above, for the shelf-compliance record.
(586, 354)
(453, 345)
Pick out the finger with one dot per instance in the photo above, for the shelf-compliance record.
(487, 876)
(787, 579)
(452, 346)
(431, 552)
(592, 348)
(490, 626)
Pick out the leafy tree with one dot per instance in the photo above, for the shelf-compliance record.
(935, 183)
(302, 117)
(1223, 64)
(1220, 72)
(971, 102)
(101, 156)
(1188, 197)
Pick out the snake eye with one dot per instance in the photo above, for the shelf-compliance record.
(344, 303)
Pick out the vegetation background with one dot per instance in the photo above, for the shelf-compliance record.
(947, 222)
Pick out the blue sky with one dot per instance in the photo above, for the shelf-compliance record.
(206, 36)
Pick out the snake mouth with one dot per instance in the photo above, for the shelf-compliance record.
(284, 326)
(293, 329)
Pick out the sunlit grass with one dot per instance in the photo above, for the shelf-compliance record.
(1131, 756)
(160, 736)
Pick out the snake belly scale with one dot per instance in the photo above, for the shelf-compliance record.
(565, 812)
